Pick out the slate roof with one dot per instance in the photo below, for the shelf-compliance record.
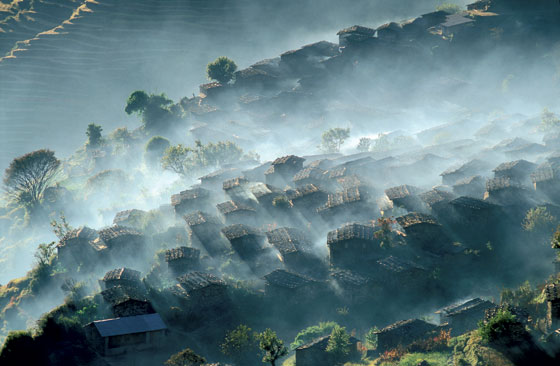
(466, 306)
(473, 165)
(309, 173)
(119, 294)
(397, 265)
(83, 232)
(351, 231)
(239, 230)
(288, 160)
(348, 277)
(116, 231)
(496, 184)
(469, 180)
(124, 273)
(129, 325)
(125, 215)
(222, 174)
(199, 218)
(406, 326)
(521, 165)
(545, 172)
(228, 207)
(181, 253)
(286, 279)
(455, 20)
(346, 196)
(233, 183)
(261, 190)
(401, 192)
(357, 29)
(289, 240)
(472, 203)
(193, 281)
(415, 218)
(304, 191)
(436, 196)
(188, 195)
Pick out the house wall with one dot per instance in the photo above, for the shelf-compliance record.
(183, 265)
(312, 356)
(553, 315)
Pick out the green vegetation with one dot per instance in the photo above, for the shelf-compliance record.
(240, 345)
(364, 145)
(338, 346)
(186, 357)
(549, 121)
(156, 110)
(449, 8)
(371, 338)
(155, 149)
(332, 139)
(430, 358)
(29, 175)
(93, 133)
(502, 328)
(184, 160)
(309, 334)
(272, 346)
(221, 70)
(539, 220)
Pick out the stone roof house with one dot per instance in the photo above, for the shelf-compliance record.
(204, 231)
(127, 301)
(182, 259)
(122, 277)
(353, 246)
(464, 317)
(283, 169)
(315, 353)
(354, 34)
(402, 333)
(191, 200)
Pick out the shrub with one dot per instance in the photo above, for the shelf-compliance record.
(338, 346)
(503, 328)
(309, 334)
(186, 357)
(221, 69)
(449, 8)
(93, 133)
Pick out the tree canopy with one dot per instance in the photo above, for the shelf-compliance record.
(272, 346)
(240, 344)
(339, 345)
(332, 139)
(156, 110)
(28, 176)
(221, 69)
(93, 133)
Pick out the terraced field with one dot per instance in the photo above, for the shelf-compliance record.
(66, 63)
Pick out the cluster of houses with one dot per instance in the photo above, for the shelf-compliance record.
(326, 229)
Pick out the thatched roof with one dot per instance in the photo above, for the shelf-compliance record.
(289, 240)
(115, 232)
(189, 195)
(228, 207)
(83, 233)
(401, 192)
(357, 29)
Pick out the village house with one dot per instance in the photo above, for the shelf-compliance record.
(214, 180)
(127, 334)
(304, 61)
(425, 232)
(474, 186)
(402, 333)
(350, 286)
(520, 314)
(74, 248)
(120, 241)
(353, 246)
(464, 317)
(456, 23)
(406, 197)
(518, 171)
(393, 272)
(546, 181)
(132, 218)
(508, 192)
(183, 259)
(127, 301)
(253, 78)
(469, 169)
(350, 204)
(247, 242)
(295, 249)
(306, 199)
(389, 32)
(291, 287)
(354, 34)
(190, 200)
(474, 221)
(204, 231)
(236, 189)
(121, 277)
(264, 194)
(315, 353)
(437, 200)
(257, 174)
(283, 170)
(309, 175)
(204, 290)
(212, 90)
(237, 213)
(552, 293)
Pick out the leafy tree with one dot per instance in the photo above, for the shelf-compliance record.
(371, 337)
(176, 158)
(272, 346)
(155, 148)
(155, 109)
(309, 334)
(540, 221)
(364, 145)
(332, 139)
(186, 357)
(29, 175)
(503, 327)
(221, 69)
(449, 8)
(93, 133)
(339, 345)
(17, 349)
(240, 344)
(222, 152)
(549, 121)
(44, 256)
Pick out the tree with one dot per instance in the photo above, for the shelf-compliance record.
(29, 175)
(311, 333)
(449, 8)
(332, 139)
(503, 329)
(17, 349)
(239, 344)
(364, 145)
(272, 346)
(221, 69)
(44, 255)
(186, 357)
(93, 133)
(549, 121)
(155, 148)
(155, 109)
(371, 337)
(176, 158)
(339, 345)
(222, 152)
(60, 228)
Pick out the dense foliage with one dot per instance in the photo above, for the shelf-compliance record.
(221, 69)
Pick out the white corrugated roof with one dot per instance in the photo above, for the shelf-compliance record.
(129, 325)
